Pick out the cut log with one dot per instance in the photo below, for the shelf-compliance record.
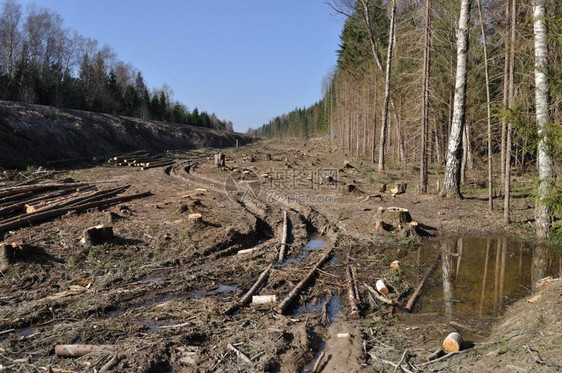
(28, 219)
(80, 350)
(195, 218)
(98, 235)
(264, 299)
(380, 296)
(352, 296)
(395, 264)
(381, 287)
(416, 293)
(452, 343)
(8, 191)
(284, 305)
(253, 290)
(284, 234)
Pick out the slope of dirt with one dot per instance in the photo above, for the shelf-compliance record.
(158, 294)
(35, 135)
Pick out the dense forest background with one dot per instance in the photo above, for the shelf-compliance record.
(419, 73)
(42, 62)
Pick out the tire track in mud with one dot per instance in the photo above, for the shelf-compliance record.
(305, 222)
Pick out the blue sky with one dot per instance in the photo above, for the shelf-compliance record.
(247, 60)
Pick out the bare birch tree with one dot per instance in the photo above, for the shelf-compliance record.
(451, 184)
(546, 172)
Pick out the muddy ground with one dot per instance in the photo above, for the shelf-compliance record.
(156, 298)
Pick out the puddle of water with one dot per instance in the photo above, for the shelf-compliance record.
(151, 326)
(477, 276)
(314, 244)
(26, 331)
(335, 308)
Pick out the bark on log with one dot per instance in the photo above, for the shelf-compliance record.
(452, 343)
(351, 294)
(28, 219)
(416, 293)
(8, 191)
(284, 305)
(381, 287)
(80, 350)
(284, 234)
(254, 289)
(380, 296)
(195, 218)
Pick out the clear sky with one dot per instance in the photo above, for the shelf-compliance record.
(245, 60)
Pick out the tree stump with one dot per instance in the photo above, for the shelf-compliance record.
(7, 256)
(195, 218)
(398, 217)
(382, 188)
(220, 160)
(399, 188)
(268, 157)
(98, 235)
(348, 188)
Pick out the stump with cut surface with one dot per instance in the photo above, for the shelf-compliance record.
(452, 343)
(220, 159)
(195, 218)
(98, 235)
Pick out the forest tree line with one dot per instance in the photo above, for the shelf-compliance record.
(391, 97)
(42, 62)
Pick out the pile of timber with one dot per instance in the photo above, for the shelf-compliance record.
(142, 159)
(25, 204)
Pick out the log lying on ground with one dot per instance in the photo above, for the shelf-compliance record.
(416, 293)
(8, 191)
(284, 234)
(28, 219)
(352, 296)
(80, 350)
(284, 305)
(254, 289)
(383, 298)
(452, 343)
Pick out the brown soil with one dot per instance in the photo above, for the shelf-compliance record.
(158, 293)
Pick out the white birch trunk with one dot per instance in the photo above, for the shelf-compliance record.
(451, 184)
(546, 173)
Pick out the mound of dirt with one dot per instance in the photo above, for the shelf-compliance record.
(34, 135)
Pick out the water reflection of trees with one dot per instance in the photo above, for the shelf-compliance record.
(488, 273)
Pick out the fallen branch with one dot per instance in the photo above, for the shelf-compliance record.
(239, 353)
(446, 356)
(351, 293)
(254, 289)
(396, 366)
(80, 350)
(416, 293)
(316, 367)
(283, 238)
(284, 305)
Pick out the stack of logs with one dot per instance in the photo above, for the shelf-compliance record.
(22, 205)
(144, 160)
